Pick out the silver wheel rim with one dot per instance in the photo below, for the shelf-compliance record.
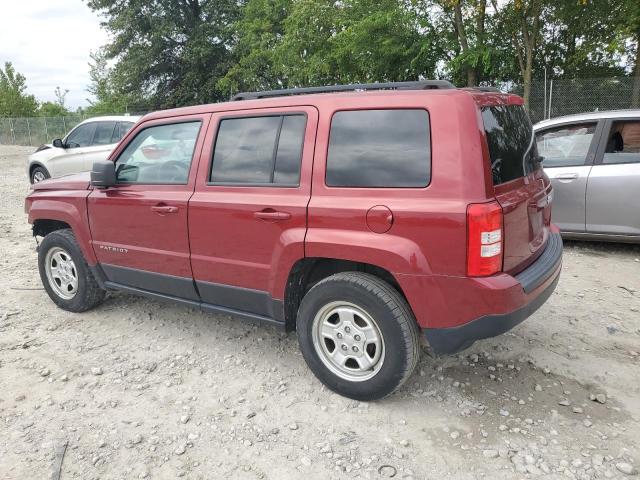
(348, 341)
(38, 176)
(61, 273)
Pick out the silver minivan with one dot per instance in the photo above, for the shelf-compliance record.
(593, 161)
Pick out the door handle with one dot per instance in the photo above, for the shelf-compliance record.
(163, 209)
(272, 215)
(567, 177)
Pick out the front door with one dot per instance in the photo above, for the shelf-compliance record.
(568, 152)
(72, 158)
(614, 182)
(139, 227)
(248, 215)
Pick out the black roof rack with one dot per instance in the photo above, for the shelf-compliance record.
(487, 89)
(418, 85)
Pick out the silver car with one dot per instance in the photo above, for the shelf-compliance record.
(593, 161)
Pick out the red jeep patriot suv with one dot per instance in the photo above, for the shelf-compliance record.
(363, 216)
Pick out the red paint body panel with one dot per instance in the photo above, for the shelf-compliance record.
(122, 217)
(216, 237)
(229, 245)
(64, 205)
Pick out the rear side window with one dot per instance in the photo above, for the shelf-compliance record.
(511, 142)
(120, 130)
(259, 150)
(623, 144)
(379, 148)
(104, 132)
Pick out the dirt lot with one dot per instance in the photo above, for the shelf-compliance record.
(143, 389)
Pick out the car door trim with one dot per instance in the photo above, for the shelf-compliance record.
(216, 298)
(161, 283)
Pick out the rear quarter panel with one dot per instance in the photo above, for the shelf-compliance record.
(428, 234)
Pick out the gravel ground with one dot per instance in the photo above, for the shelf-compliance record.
(142, 389)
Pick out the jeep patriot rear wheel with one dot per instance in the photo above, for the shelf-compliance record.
(358, 335)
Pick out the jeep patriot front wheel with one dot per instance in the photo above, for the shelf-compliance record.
(358, 335)
(65, 274)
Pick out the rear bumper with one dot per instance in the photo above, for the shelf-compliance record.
(536, 283)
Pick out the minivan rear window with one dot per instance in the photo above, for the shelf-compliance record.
(512, 145)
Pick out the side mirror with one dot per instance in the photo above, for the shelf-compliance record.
(58, 143)
(103, 174)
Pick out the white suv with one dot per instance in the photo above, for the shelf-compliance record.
(87, 142)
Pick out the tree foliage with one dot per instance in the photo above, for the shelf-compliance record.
(168, 53)
(171, 52)
(14, 100)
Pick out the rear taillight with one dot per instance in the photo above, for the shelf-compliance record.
(484, 239)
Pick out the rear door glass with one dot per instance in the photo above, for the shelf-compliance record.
(623, 144)
(104, 132)
(263, 150)
(120, 130)
(511, 142)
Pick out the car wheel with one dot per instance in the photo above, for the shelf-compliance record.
(38, 174)
(65, 274)
(358, 335)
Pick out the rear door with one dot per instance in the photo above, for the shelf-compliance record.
(101, 144)
(521, 186)
(248, 215)
(139, 227)
(568, 151)
(612, 205)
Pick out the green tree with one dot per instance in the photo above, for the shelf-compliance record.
(326, 42)
(61, 96)
(14, 101)
(258, 32)
(52, 109)
(106, 99)
(169, 52)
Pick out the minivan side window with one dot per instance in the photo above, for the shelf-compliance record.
(81, 136)
(565, 146)
(160, 154)
(379, 148)
(265, 150)
(623, 144)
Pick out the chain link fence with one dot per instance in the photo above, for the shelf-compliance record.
(35, 131)
(553, 98)
(558, 97)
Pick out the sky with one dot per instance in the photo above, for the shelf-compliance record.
(49, 42)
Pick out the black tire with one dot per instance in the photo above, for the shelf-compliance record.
(390, 313)
(88, 294)
(38, 170)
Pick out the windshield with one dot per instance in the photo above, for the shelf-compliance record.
(511, 142)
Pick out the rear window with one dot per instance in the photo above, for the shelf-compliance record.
(511, 142)
(379, 148)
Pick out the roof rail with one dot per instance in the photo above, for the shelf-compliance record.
(418, 85)
(487, 89)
